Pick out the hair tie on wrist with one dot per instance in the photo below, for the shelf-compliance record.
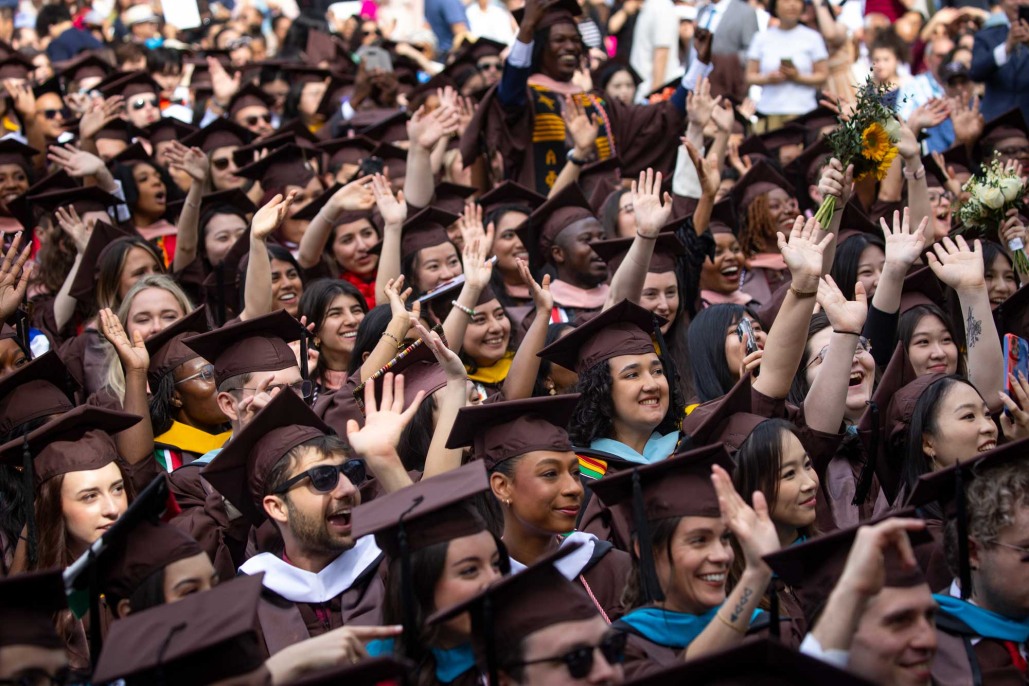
(848, 333)
(801, 294)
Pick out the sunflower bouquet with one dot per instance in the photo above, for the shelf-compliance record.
(994, 192)
(868, 140)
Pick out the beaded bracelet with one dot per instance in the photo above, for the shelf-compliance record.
(467, 310)
(395, 339)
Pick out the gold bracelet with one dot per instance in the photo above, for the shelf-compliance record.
(742, 632)
(801, 294)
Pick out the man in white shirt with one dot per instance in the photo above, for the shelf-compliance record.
(655, 46)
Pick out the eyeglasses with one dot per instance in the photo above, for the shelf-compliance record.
(206, 373)
(325, 477)
(489, 65)
(221, 163)
(579, 661)
(254, 119)
(140, 103)
(1020, 549)
(937, 196)
(863, 346)
(302, 388)
(63, 113)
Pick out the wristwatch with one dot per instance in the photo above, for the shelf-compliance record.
(575, 160)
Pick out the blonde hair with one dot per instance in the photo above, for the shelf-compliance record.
(115, 372)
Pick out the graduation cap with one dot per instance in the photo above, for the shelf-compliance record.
(451, 197)
(119, 129)
(42, 388)
(254, 345)
(249, 96)
(543, 226)
(791, 134)
(426, 229)
(305, 73)
(338, 88)
(677, 487)
(813, 568)
(1010, 124)
(902, 405)
(166, 349)
(475, 49)
(24, 211)
(15, 66)
(854, 222)
(229, 201)
(561, 11)
(760, 179)
(13, 151)
(666, 248)
(343, 151)
(727, 420)
(432, 511)
(762, 662)
(168, 129)
(293, 131)
(85, 65)
(130, 85)
(388, 128)
(921, 287)
(510, 193)
(203, 638)
(499, 431)
(598, 180)
(624, 329)
(104, 238)
(420, 369)
(133, 153)
(367, 672)
(285, 166)
(221, 133)
(394, 158)
(816, 119)
(322, 47)
(28, 603)
(517, 606)
(51, 85)
(948, 488)
(241, 470)
(78, 440)
(754, 147)
(139, 551)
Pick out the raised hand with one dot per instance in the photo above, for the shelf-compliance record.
(71, 223)
(752, 526)
(751, 361)
(837, 182)
(470, 225)
(700, 103)
(865, 570)
(1015, 422)
(22, 96)
(447, 358)
(77, 163)
(957, 265)
(581, 127)
(803, 254)
(478, 268)
(224, 85)
(191, 161)
(929, 114)
(14, 277)
(541, 295)
(723, 117)
(903, 246)
(249, 406)
(425, 129)
(98, 113)
(392, 208)
(741, 164)
(398, 299)
(355, 196)
(271, 216)
(650, 213)
(133, 355)
(908, 146)
(967, 119)
(844, 315)
(383, 423)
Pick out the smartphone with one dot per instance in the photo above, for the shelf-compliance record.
(1016, 360)
(1023, 13)
(375, 58)
(370, 165)
(786, 62)
(744, 328)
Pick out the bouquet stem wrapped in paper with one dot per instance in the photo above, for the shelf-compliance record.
(995, 191)
(868, 140)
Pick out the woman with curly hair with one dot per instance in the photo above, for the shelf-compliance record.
(766, 205)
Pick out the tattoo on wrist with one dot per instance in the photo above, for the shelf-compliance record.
(973, 329)
(738, 610)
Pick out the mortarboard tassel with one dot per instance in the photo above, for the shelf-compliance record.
(95, 637)
(773, 610)
(865, 482)
(219, 297)
(650, 587)
(407, 584)
(162, 676)
(962, 517)
(29, 488)
(305, 372)
(489, 640)
(21, 325)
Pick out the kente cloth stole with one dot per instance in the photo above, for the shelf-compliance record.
(549, 134)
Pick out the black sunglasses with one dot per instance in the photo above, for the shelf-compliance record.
(494, 66)
(140, 103)
(579, 661)
(63, 113)
(221, 163)
(325, 477)
(254, 118)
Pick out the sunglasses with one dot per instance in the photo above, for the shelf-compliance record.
(303, 388)
(254, 119)
(140, 103)
(221, 163)
(579, 661)
(206, 373)
(325, 477)
(62, 113)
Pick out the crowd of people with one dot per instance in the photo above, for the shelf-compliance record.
(417, 342)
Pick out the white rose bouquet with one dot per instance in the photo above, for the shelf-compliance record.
(993, 192)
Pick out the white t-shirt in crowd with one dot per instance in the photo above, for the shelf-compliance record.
(657, 26)
(494, 22)
(805, 47)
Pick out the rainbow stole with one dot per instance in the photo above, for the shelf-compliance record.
(591, 467)
(549, 134)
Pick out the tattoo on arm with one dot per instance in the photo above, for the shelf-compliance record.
(973, 329)
(738, 610)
